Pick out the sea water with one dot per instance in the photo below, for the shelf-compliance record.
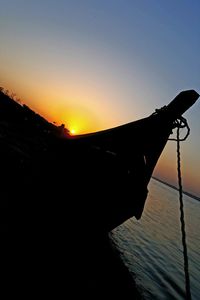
(151, 248)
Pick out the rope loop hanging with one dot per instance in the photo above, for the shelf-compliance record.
(182, 123)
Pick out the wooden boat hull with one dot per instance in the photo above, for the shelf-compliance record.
(95, 181)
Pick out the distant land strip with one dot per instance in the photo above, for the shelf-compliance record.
(175, 188)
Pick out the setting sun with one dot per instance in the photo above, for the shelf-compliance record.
(72, 131)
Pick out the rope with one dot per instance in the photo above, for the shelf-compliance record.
(181, 123)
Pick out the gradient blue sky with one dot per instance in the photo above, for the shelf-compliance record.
(98, 64)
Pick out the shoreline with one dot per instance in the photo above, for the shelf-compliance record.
(175, 188)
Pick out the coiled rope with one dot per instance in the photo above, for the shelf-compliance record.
(182, 123)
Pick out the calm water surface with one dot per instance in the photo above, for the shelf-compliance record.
(152, 248)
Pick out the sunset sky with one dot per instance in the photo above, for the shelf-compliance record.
(94, 64)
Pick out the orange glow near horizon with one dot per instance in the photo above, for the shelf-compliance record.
(80, 109)
(83, 111)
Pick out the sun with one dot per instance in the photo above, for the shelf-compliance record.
(72, 131)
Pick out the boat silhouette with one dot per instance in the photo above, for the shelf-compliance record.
(100, 179)
(122, 159)
(68, 192)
